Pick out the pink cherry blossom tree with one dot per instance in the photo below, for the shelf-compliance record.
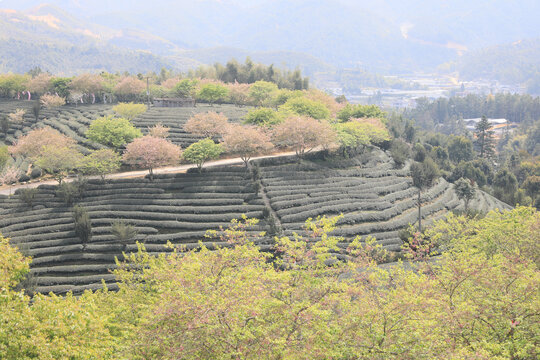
(246, 141)
(150, 152)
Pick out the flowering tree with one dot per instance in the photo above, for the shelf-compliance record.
(210, 124)
(52, 101)
(239, 93)
(303, 133)
(58, 160)
(86, 84)
(10, 175)
(150, 152)
(246, 141)
(159, 131)
(130, 110)
(17, 116)
(40, 84)
(129, 88)
(202, 151)
(31, 144)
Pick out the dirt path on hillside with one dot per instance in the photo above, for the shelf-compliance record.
(7, 190)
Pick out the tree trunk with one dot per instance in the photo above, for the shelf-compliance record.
(419, 212)
(151, 174)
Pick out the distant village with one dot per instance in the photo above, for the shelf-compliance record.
(431, 86)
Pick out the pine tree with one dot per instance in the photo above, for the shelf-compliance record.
(424, 174)
(485, 142)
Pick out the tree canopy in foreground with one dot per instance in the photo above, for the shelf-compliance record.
(478, 300)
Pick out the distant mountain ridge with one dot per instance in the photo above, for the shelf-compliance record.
(385, 36)
(319, 36)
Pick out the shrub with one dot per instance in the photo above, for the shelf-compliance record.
(24, 178)
(70, 192)
(399, 150)
(4, 156)
(159, 131)
(17, 117)
(83, 224)
(27, 195)
(52, 101)
(36, 172)
(123, 232)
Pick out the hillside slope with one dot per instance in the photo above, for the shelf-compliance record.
(375, 199)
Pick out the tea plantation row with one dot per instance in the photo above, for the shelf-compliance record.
(375, 198)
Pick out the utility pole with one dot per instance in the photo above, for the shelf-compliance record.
(147, 91)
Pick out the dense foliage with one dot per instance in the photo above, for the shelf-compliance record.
(479, 299)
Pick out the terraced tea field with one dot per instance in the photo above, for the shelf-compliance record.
(73, 121)
(375, 199)
(177, 208)
(175, 119)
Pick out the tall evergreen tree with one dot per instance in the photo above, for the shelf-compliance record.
(424, 174)
(485, 141)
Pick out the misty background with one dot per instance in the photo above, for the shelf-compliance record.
(332, 41)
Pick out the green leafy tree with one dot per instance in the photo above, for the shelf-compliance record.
(186, 88)
(212, 93)
(58, 160)
(505, 186)
(460, 149)
(424, 174)
(4, 156)
(465, 191)
(202, 151)
(263, 117)
(130, 110)
(351, 137)
(60, 86)
(485, 141)
(100, 162)
(261, 92)
(306, 107)
(400, 151)
(113, 132)
(360, 111)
